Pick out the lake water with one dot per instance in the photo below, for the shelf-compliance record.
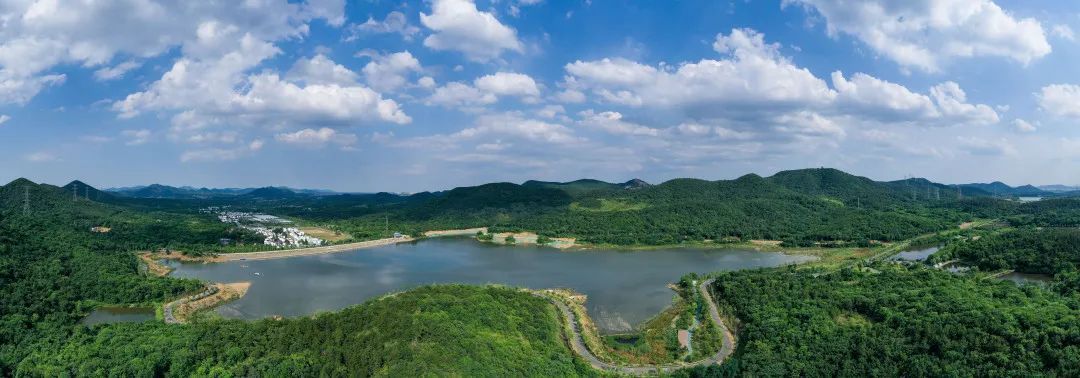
(624, 288)
(1027, 278)
(916, 254)
(103, 315)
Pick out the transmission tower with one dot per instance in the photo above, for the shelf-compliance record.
(86, 192)
(74, 192)
(26, 201)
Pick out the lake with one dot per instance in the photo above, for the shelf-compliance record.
(624, 288)
(1027, 278)
(103, 315)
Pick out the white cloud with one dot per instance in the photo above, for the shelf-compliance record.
(319, 137)
(570, 96)
(41, 157)
(927, 34)
(513, 126)
(1062, 100)
(985, 147)
(486, 90)
(612, 122)
(4, 118)
(755, 88)
(394, 22)
(388, 72)
(457, 25)
(320, 70)
(115, 72)
(1023, 126)
(508, 84)
(221, 154)
(754, 76)
(551, 111)
(136, 137)
(37, 36)
(1063, 32)
(217, 89)
(427, 82)
(97, 139)
(460, 94)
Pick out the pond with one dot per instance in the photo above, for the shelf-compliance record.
(106, 315)
(624, 288)
(915, 254)
(1027, 278)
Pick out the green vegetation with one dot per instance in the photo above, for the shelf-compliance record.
(892, 321)
(431, 331)
(837, 318)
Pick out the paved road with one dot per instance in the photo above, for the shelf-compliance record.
(577, 343)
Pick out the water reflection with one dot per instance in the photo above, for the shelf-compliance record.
(624, 288)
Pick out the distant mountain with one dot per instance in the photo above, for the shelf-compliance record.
(998, 188)
(271, 193)
(635, 184)
(172, 192)
(1059, 188)
(188, 192)
(84, 191)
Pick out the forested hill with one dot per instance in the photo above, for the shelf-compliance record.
(800, 206)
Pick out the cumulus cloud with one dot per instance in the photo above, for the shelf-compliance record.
(4, 118)
(754, 88)
(1062, 100)
(389, 72)
(486, 90)
(218, 89)
(927, 34)
(754, 76)
(457, 25)
(394, 22)
(508, 84)
(320, 70)
(38, 36)
(317, 138)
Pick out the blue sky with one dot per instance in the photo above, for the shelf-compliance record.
(409, 96)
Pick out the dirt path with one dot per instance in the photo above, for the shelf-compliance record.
(180, 310)
(577, 342)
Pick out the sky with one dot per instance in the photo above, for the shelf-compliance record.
(430, 95)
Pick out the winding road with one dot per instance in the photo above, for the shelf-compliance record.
(577, 342)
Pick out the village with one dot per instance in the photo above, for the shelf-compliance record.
(280, 237)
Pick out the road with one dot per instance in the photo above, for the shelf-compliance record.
(577, 342)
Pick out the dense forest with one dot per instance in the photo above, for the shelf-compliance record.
(1050, 251)
(431, 331)
(889, 320)
(801, 207)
